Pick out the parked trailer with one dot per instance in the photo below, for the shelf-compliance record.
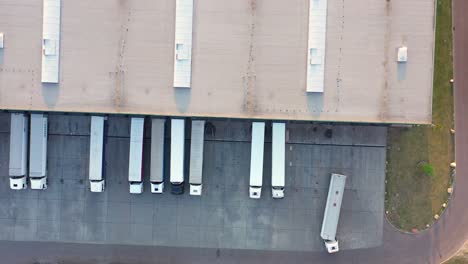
(177, 155)
(256, 159)
(2, 40)
(332, 212)
(135, 163)
(157, 155)
(196, 156)
(96, 154)
(278, 160)
(18, 151)
(38, 152)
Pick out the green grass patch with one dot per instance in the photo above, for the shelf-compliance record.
(427, 169)
(418, 171)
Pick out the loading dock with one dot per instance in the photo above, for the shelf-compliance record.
(157, 155)
(196, 157)
(224, 216)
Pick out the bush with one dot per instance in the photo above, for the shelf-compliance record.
(428, 169)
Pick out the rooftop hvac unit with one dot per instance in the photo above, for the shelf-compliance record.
(402, 54)
(49, 47)
(182, 52)
(315, 57)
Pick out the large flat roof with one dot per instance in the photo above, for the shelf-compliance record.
(249, 60)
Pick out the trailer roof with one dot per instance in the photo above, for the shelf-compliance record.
(196, 151)
(136, 149)
(157, 150)
(257, 153)
(177, 150)
(38, 145)
(278, 145)
(18, 144)
(333, 206)
(96, 147)
(249, 60)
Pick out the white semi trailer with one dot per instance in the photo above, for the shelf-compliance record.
(38, 152)
(177, 155)
(256, 159)
(96, 154)
(278, 160)
(135, 163)
(157, 155)
(2, 37)
(332, 212)
(196, 156)
(18, 151)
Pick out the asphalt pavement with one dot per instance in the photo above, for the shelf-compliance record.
(224, 216)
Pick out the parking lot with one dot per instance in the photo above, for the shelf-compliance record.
(224, 216)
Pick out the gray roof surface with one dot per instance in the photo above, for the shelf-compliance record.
(249, 60)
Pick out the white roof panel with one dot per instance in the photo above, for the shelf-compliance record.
(256, 156)
(177, 150)
(183, 44)
(51, 41)
(136, 149)
(333, 206)
(157, 150)
(316, 45)
(96, 147)
(196, 151)
(278, 154)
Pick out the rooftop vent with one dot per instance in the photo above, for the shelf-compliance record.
(402, 54)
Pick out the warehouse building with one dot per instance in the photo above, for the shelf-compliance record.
(349, 61)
